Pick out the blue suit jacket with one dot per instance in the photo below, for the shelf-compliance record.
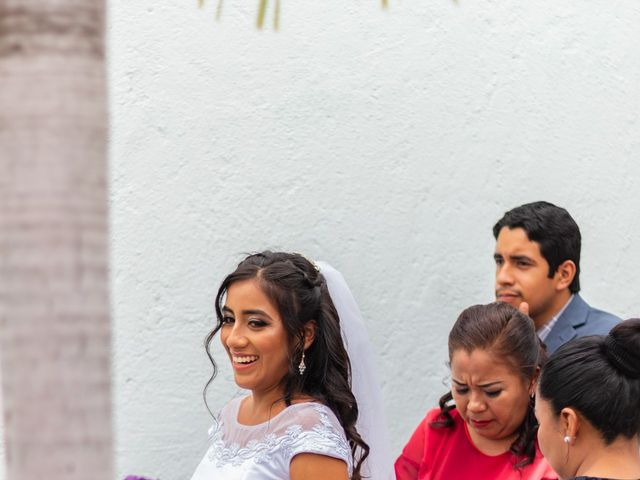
(579, 320)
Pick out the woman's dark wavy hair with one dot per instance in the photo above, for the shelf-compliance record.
(299, 292)
(599, 376)
(511, 336)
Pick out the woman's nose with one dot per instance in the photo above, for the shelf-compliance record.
(476, 403)
(236, 337)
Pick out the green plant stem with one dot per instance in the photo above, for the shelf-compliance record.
(262, 9)
(218, 10)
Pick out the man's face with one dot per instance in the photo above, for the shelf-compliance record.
(522, 276)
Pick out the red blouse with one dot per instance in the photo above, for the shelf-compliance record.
(449, 454)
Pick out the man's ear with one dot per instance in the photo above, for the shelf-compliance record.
(565, 274)
(309, 333)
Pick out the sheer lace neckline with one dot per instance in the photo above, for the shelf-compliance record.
(235, 412)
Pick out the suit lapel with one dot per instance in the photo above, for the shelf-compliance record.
(564, 330)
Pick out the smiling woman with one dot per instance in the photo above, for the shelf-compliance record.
(488, 432)
(255, 339)
(281, 331)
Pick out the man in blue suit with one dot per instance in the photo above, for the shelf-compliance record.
(537, 259)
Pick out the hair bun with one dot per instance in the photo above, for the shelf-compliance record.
(622, 347)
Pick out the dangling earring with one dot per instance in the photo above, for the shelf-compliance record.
(302, 367)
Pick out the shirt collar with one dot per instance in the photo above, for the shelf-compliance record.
(543, 332)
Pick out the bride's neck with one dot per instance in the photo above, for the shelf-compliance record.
(260, 406)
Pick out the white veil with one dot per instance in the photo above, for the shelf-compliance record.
(371, 422)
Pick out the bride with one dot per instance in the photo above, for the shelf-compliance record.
(279, 318)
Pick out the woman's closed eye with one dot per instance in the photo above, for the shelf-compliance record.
(227, 320)
(489, 393)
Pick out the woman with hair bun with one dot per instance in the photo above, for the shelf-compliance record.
(485, 428)
(282, 333)
(588, 406)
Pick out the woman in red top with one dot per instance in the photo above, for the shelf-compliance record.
(489, 431)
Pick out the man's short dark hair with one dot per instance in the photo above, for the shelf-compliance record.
(553, 228)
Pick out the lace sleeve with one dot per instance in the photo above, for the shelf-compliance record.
(324, 436)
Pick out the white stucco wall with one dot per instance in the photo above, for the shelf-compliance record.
(384, 142)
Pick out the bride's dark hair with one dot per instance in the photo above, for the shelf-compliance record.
(299, 292)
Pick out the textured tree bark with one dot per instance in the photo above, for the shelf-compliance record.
(54, 306)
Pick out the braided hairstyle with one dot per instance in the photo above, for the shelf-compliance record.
(599, 376)
(511, 336)
(299, 292)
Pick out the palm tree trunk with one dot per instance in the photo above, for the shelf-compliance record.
(54, 306)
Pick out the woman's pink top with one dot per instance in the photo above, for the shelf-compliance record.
(449, 454)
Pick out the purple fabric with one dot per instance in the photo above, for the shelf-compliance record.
(135, 477)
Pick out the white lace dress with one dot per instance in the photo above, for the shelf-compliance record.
(265, 451)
